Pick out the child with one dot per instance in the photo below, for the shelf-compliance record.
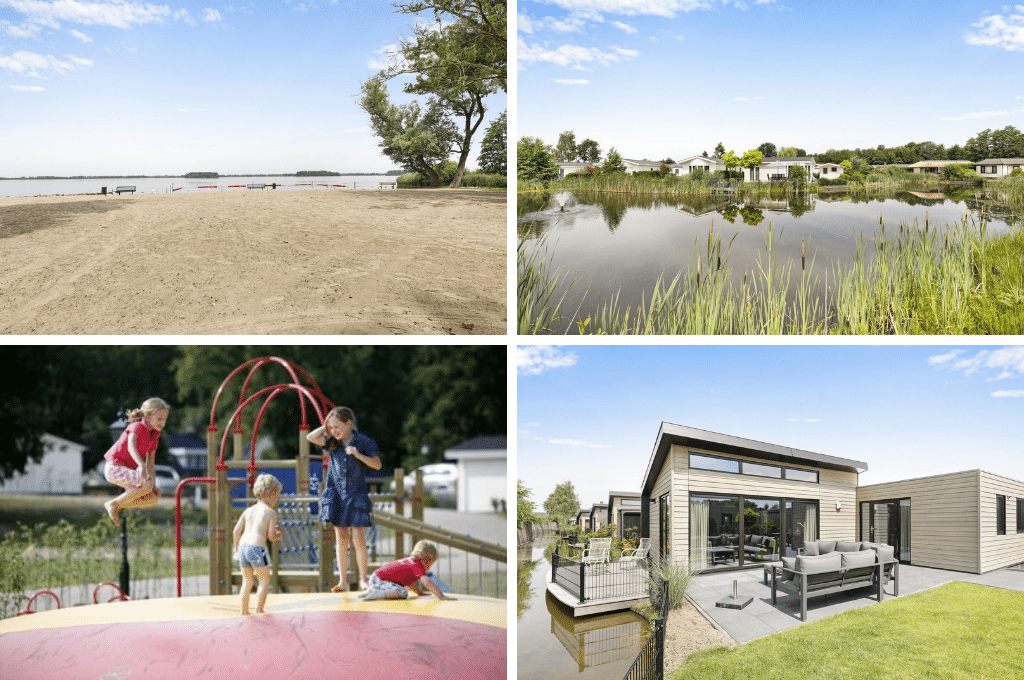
(390, 581)
(131, 459)
(254, 528)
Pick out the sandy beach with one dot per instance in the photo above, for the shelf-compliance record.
(419, 261)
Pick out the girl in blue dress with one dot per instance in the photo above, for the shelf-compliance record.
(351, 453)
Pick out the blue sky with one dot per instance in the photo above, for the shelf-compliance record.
(590, 414)
(115, 86)
(657, 78)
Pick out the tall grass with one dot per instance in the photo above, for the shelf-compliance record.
(539, 310)
(917, 280)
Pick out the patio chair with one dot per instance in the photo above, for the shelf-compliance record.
(599, 551)
(632, 556)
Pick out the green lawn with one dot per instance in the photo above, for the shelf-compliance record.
(959, 630)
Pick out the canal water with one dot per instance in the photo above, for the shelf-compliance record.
(608, 244)
(552, 645)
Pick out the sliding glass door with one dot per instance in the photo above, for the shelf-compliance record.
(887, 522)
(737, 531)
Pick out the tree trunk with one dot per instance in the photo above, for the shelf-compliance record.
(476, 107)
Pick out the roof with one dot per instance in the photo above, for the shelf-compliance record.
(695, 157)
(681, 435)
(483, 442)
(1004, 161)
(625, 494)
(933, 164)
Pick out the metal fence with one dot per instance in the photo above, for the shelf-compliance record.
(600, 581)
(650, 662)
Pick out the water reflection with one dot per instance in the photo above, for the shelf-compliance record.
(619, 244)
(552, 644)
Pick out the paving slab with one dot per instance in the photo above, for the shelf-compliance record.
(761, 618)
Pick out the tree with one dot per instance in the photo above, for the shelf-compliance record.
(719, 151)
(459, 59)
(588, 152)
(414, 138)
(751, 159)
(493, 156)
(565, 149)
(563, 504)
(791, 152)
(664, 169)
(524, 506)
(767, 149)
(476, 52)
(613, 163)
(535, 160)
(730, 159)
(798, 176)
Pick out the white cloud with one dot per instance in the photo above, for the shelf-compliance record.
(997, 31)
(572, 81)
(534, 360)
(31, 63)
(1008, 393)
(81, 36)
(25, 30)
(625, 27)
(27, 88)
(117, 13)
(183, 15)
(1008, 360)
(572, 56)
(524, 24)
(211, 15)
(387, 56)
(944, 358)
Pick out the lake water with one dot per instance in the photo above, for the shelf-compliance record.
(552, 645)
(161, 185)
(621, 243)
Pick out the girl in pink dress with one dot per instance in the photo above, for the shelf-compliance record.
(131, 459)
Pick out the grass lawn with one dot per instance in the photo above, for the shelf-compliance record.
(959, 630)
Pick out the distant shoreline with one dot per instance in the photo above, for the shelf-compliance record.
(390, 173)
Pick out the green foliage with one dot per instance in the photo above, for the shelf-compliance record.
(446, 171)
(524, 506)
(588, 151)
(563, 503)
(493, 156)
(677, 576)
(485, 180)
(797, 176)
(565, 149)
(959, 172)
(613, 164)
(731, 160)
(535, 160)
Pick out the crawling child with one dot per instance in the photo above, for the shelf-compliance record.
(393, 580)
(254, 528)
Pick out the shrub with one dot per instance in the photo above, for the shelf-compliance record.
(676, 575)
(958, 172)
(488, 180)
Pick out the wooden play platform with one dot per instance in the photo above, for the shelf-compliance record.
(300, 636)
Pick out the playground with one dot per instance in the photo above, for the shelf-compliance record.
(306, 629)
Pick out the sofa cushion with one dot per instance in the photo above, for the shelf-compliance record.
(848, 546)
(788, 563)
(861, 558)
(811, 548)
(825, 547)
(819, 564)
(884, 552)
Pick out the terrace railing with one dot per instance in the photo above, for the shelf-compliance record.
(650, 662)
(599, 581)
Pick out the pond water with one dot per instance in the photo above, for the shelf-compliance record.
(552, 645)
(161, 185)
(622, 243)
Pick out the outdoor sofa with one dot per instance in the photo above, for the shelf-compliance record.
(754, 546)
(827, 567)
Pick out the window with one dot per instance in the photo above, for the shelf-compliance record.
(1000, 515)
(802, 475)
(714, 464)
(1020, 515)
(665, 534)
(759, 470)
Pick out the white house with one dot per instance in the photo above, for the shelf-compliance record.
(569, 168)
(993, 168)
(929, 167)
(58, 471)
(483, 473)
(644, 165)
(688, 165)
(829, 170)
(776, 169)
